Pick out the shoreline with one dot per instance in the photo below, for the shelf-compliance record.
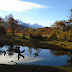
(45, 44)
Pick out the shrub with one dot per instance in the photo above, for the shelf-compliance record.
(36, 34)
(60, 35)
(52, 33)
(2, 30)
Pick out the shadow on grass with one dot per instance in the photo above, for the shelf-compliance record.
(51, 46)
(32, 68)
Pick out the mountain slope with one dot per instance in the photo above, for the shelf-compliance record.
(36, 26)
(22, 24)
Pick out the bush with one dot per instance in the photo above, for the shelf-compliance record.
(36, 34)
(60, 35)
(2, 30)
(69, 36)
(52, 33)
(66, 36)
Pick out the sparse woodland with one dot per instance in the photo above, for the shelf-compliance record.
(60, 30)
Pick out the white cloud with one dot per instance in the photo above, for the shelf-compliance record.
(17, 5)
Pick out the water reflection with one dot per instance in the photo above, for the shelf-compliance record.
(70, 59)
(30, 50)
(68, 53)
(16, 52)
(37, 52)
(59, 53)
(37, 56)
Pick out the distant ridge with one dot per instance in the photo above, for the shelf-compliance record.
(28, 25)
(35, 26)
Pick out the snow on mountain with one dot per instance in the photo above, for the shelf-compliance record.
(35, 26)
(28, 25)
(7, 17)
(10, 15)
(19, 21)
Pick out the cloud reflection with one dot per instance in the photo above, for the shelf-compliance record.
(6, 59)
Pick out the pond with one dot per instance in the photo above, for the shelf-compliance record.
(33, 56)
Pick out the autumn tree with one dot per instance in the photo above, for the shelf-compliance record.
(25, 30)
(1, 21)
(13, 25)
(31, 31)
(37, 34)
(2, 30)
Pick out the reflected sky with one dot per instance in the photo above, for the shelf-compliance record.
(32, 56)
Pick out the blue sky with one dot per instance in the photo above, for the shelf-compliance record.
(43, 12)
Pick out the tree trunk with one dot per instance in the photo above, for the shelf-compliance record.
(13, 32)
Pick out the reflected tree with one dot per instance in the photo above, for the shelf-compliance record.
(68, 53)
(10, 50)
(70, 58)
(15, 49)
(30, 50)
(59, 53)
(2, 51)
(37, 52)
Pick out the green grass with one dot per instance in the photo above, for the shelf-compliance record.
(33, 68)
(45, 43)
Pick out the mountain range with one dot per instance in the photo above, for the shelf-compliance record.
(22, 24)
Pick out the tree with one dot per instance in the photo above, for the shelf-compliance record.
(13, 25)
(2, 30)
(70, 17)
(1, 21)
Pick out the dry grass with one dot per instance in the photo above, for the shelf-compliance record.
(45, 43)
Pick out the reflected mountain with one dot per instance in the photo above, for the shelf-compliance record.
(68, 53)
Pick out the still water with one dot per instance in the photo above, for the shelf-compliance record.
(33, 56)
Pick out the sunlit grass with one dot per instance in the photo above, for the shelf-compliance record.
(18, 39)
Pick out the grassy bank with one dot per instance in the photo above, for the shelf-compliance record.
(33, 68)
(45, 43)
